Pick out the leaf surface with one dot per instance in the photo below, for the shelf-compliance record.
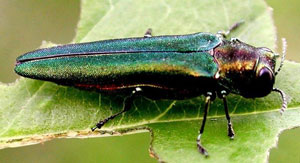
(33, 111)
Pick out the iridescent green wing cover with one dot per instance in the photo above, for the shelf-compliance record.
(163, 61)
(123, 69)
(197, 42)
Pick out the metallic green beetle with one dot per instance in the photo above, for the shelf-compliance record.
(161, 67)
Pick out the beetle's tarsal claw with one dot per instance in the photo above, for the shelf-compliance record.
(93, 128)
(283, 97)
(201, 149)
(230, 131)
(99, 125)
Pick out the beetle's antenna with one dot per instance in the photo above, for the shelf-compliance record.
(283, 97)
(284, 46)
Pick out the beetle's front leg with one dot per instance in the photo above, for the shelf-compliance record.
(229, 124)
(127, 105)
(208, 99)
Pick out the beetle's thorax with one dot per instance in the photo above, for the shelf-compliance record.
(235, 58)
(238, 67)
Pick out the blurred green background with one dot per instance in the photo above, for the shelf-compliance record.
(24, 24)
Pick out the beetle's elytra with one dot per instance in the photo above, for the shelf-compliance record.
(161, 67)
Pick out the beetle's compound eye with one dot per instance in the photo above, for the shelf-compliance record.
(265, 76)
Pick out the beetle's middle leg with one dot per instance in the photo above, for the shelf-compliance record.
(127, 105)
(229, 124)
(208, 99)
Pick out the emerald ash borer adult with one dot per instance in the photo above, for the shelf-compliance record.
(161, 67)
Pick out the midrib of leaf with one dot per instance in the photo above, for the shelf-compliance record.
(157, 119)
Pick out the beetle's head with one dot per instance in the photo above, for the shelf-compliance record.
(262, 80)
(246, 70)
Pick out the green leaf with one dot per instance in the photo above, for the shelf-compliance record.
(33, 111)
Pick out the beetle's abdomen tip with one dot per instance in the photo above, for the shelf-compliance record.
(17, 63)
(17, 68)
(20, 68)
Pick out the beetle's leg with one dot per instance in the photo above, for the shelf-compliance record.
(229, 124)
(224, 34)
(148, 33)
(207, 104)
(127, 105)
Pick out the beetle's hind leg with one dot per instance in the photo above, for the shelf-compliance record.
(208, 99)
(148, 33)
(127, 105)
(229, 124)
